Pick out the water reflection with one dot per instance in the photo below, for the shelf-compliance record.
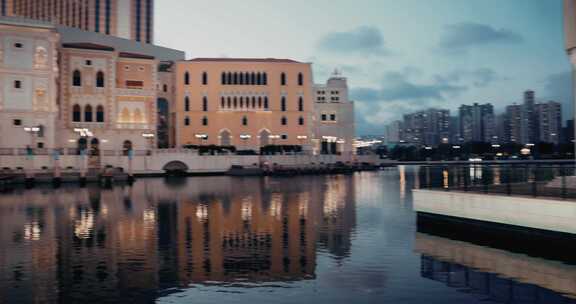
(495, 275)
(133, 243)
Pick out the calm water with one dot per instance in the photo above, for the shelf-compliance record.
(322, 239)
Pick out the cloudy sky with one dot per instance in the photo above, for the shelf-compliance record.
(399, 56)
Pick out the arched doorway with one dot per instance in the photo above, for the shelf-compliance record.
(225, 138)
(264, 138)
(82, 145)
(95, 147)
(127, 147)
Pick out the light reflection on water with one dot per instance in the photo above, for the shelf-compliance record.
(327, 239)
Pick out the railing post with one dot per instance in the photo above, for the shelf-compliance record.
(563, 176)
(508, 185)
(534, 181)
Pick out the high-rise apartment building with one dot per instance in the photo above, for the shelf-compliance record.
(549, 122)
(429, 127)
(129, 19)
(477, 123)
(393, 132)
(513, 124)
(529, 119)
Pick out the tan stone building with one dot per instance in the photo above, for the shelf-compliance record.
(247, 103)
(110, 95)
(28, 85)
(130, 19)
(334, 127)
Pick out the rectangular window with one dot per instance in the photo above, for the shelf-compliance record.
(333, 117)
(88, 62)
(17, 122)
(323, 117)
(96, 15)
(284, 136)
(134, 84)
(17, 84)
(40, 145)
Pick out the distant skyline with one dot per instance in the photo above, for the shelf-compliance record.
(399, 56)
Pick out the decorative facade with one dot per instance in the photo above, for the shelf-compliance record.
(28, 85)
(247, 103)
(334, 117)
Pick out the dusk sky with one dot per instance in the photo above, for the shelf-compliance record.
(398, 56)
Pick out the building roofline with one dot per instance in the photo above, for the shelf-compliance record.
(269, 60)
(135, 56)
(88, 46)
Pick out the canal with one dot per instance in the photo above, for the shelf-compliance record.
(321, 239)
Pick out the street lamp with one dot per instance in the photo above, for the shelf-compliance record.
(150, 139)
(201, 138)
(244, 138)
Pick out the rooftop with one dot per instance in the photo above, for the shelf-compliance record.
(134, 55)
(88, 46)
(271, 60)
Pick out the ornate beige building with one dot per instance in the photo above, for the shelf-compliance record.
(110, 93)
(247, 103)
(28, 85)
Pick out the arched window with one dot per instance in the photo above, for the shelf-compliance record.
(204, 78)
(222, 102)
(301, 121)
(187, 104)
(76, 113)
(138, 117)
(283, 79)
(265, 79)
(100, 79)
(205, 104)
(235, 79)
(260, 102)
(186, 78)
(300, 79)
(165, 88)
(100, 114)
(77, 78)
(283, 104)
(300, 104)
(235, 102)
(187, 121)
(241, 102)
(252, 78)
(244, 121)
(284, 121)
(228, 78)
(88, 113)
(266, 103)
(229, 101)
(253, 102)
(223, 78)
(241, 80)
(247, 78)
(258, 79)
(204, 121)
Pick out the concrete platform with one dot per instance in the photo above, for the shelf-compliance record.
(546, 214)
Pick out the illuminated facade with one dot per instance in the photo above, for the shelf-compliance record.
(28, 94)
(247, 103)
(110, 93)
(129, 19)
(333, 117)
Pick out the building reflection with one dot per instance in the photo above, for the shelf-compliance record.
(495, 275)
(131, 243)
